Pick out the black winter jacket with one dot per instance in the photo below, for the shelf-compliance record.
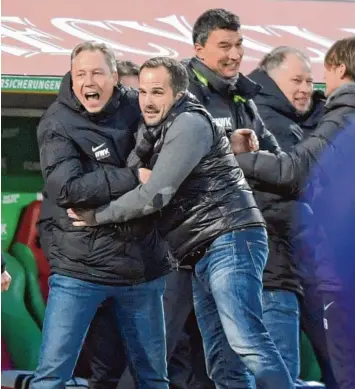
(83, 163)
(289, 128)
(230, 104)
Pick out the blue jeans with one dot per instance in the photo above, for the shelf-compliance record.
(281, 317)
(72, 304)
(227, 291)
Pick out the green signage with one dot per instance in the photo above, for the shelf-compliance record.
(30, 84)
(38, 84)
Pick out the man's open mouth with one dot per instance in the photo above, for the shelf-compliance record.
(92, 96)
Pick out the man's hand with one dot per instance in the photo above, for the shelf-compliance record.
(244, 140)
(5, 281)
(82, 217)
(144, 175)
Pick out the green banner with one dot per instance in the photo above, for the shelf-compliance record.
(38, 84)
(30, 84)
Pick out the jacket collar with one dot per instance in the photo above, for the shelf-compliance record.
(240, 88)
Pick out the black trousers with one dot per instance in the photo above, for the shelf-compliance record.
(339, 324)
(312, 325)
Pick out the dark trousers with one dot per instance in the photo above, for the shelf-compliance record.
(313, 326)
(339, 319)
(103, 345)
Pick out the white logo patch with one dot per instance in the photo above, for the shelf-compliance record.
(223, 122)
(101, 154)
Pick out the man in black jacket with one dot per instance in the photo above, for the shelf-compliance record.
(229, 97)
(84, 140)
(210, 219)
(288, 173)
(286, 106)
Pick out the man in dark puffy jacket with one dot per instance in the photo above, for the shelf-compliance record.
(288, 173)
(290, 113)
(84, 140)
(210, 219)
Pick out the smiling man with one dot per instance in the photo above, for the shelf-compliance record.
(291, 113)
(84, 140)
(215, 77)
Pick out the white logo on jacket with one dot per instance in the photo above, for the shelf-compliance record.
(225, 123)
(100, 152)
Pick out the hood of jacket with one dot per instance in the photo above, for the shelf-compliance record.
(343, 96)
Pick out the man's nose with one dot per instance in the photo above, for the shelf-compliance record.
(305, 87)
(234, 53)
(147, 99)
(88, 79)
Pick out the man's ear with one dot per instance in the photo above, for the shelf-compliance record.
(179, 95)
(342, 71)
(199, 51)
(115, 77)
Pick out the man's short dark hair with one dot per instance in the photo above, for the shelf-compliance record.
(214, 19)
(179, 79)
(342, 52)
(127, 68)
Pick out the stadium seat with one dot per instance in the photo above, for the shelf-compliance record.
(19, 330)
(26, 249)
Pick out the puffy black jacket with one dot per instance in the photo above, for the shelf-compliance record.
(288, 173)
(280, 117)
(230, 104)
(213, 200)
(289, 128)
(83, 163)
(45, 224)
